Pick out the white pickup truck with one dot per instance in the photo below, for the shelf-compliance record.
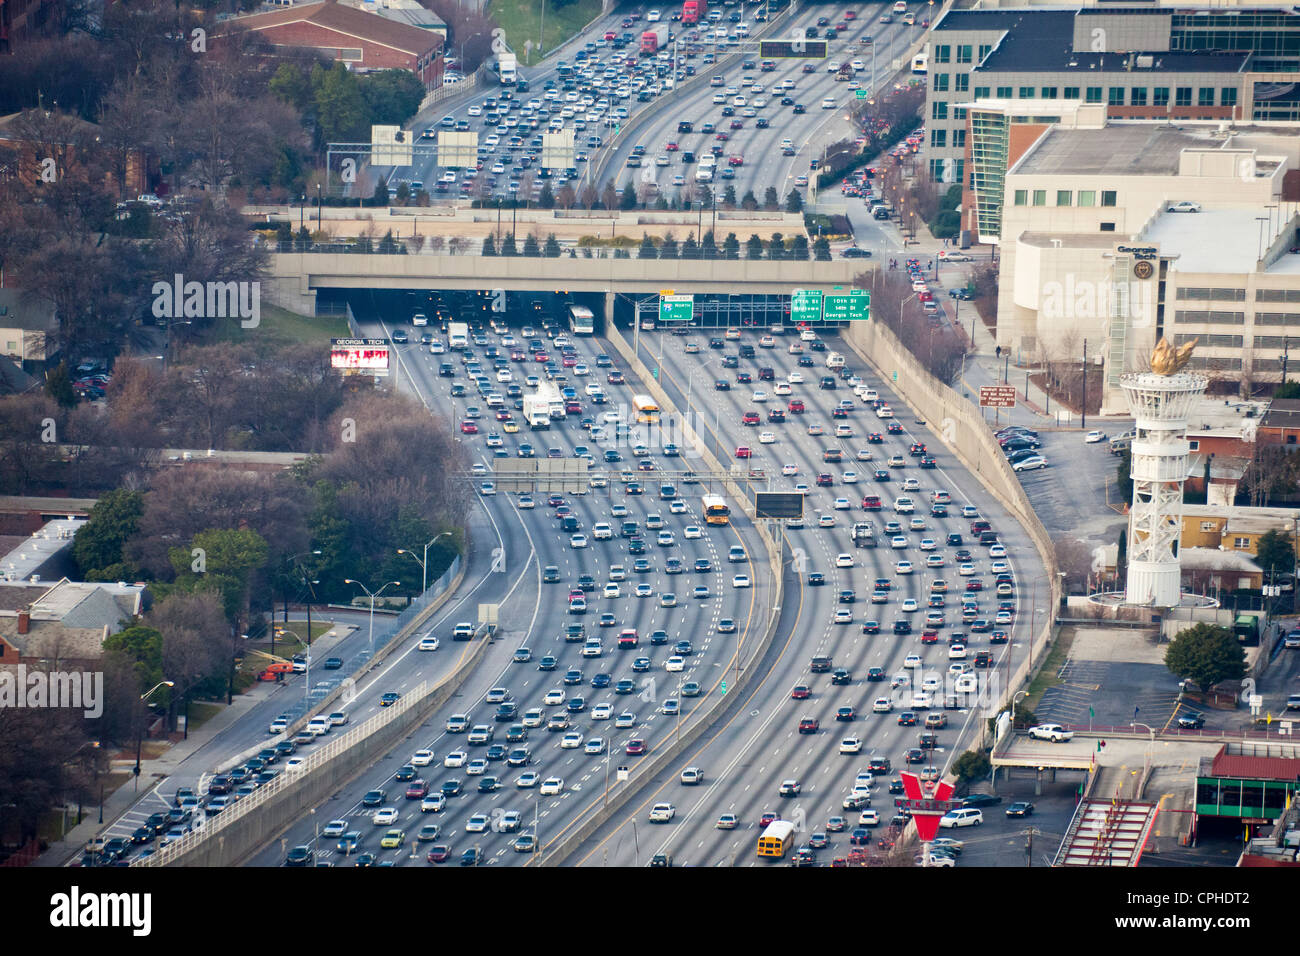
(1053, 732)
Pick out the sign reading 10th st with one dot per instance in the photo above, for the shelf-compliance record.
(812, 305)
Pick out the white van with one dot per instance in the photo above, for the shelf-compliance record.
(834, 360)
(967, 817)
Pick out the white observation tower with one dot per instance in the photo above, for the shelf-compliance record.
(1161, 401)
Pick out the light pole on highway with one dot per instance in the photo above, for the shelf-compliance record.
(139, 737)
(372, 597)
(424, 564)
(1151, 742)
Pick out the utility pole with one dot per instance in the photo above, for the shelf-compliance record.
(1286, 348)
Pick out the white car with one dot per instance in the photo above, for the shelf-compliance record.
(882, 705)
(795, 378)
(602, 532)
(625, 720)
(909, 606)
(602, 712)
(789, 471)
(427, 644)
(912, 661)
(1185, 206)
(782, 388)
(956, 652)
(1032, 463)
(526, 501)
(997, 551)
(612, 590)
(335, 829)
(456, 758)
(851, 745)
(828, 103)
(527, 780)
(551, 786)
(691, 532)
(571, 741)
(903, 567)
(422, 758)
(662, 812)
(740, 581)
(850, 478)
(842, 504)
(1093, 437)
(478, 823)
(759, 396)
(578, 541)
(767, 438)
(675, 664)
(384, 816)
(477, 767)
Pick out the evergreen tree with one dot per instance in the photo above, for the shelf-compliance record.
(731, 247)
(552, 250)
(822, 249)
(799, 248)
(754, 247)
(531, 248)
(749, 201)
(729, 196)
(627, 201)
(668, 249)
(648, 250)
(770, 199)
(58, 386)
(794, 201)
(690, 248)
(709, 246)
(508, 245)
(546, 198)
(489, 247)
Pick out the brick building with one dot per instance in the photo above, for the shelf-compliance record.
(364, 41)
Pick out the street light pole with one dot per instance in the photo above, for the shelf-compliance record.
(139, 737)
(372, 596)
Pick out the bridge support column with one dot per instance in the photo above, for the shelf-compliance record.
(609, 309)
(1038, 782)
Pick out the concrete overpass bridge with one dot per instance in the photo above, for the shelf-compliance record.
(296, 278)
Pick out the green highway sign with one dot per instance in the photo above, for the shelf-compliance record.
(676, 308)
(861, 94)
(806, 305)
(851, 306)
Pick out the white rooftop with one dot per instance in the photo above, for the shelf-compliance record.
(1212, 240)
(27, 558)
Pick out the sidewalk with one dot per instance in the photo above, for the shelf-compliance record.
(153, 772)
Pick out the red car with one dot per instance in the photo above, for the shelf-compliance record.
(800, 692)
(541, 357)
(737, 160)
(439, 853)
(722, 136)
(516, 355)
(850, 15)
(796, 407)
(871, 503)
(503, 416)
(670, 147)
(635, 747)
(627, 638)
(929, 636)
(809, 725)
(824, 480)
(749, 418)
(417, 790)
(743, 452)
(468, 428)
(765, 819)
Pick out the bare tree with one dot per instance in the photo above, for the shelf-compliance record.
(1074, 557)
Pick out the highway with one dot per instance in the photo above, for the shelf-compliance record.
(535, 616)
(626, 122)
(746, 759)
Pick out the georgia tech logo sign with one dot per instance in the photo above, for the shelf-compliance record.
(1143, 269)
(1139, 252)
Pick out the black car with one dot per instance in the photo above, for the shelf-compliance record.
(841, 676)
(875, 673)
(373, 798)
(659, 637)
(871, 627)
(1021, 808)
(853, 252)
(816, 578)
(980, 800)
(1191, 721)
(333, 663)
(902, 627)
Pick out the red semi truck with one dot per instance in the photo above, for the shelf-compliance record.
(653, 40)
(694, 11)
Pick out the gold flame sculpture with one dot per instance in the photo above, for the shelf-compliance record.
(1166, 359)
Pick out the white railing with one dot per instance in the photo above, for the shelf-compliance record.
(212, 826)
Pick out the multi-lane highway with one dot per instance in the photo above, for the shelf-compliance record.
(617, 102)
(652, 707)
(746, 760)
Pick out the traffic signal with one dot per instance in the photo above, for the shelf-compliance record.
(724, 686)
(1101, 745)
